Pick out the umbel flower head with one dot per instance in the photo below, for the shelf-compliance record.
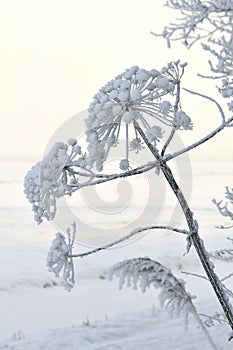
(56, 175)
(59, 257)
(137, 96)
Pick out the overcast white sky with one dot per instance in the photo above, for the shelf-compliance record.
(56, 54)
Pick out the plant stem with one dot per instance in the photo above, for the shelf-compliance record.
(193, 228)
(130, 235)
(204, 330)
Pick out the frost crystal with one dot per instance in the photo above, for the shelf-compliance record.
(135, 97)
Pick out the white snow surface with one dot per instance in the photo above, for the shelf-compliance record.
(37, 313)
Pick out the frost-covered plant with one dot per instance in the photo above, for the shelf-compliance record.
(59, 172)
(223, 208)
(199, 19)
(60, 258)
(143, 273)
(210, 21)
(140, 102)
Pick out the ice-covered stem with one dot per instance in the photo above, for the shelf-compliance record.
(101, 178)
(130, 235)
(193, 228)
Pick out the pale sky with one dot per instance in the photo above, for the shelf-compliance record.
(56, 54)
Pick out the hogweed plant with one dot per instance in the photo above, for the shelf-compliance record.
(145, 101)
(140, 104)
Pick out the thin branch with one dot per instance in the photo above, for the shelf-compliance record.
(210, 76)
(228, 276)
(223, 227)
(105, 177)
(131, 234)
(198, 143)
(168, 141)
(195, 275)
(211, 319)
(210, 99)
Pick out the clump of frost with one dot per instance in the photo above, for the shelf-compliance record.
(124, 164)
(183, 121)
(59, 258)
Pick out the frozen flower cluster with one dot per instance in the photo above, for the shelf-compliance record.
(135, 97)
(56, 175)
(33, 193)
(59, 258)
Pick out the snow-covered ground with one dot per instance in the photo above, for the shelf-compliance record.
(37, 313)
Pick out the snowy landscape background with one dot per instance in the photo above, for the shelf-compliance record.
(36, 311)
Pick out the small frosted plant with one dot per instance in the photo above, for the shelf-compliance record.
(142, 273)
(224, 208)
